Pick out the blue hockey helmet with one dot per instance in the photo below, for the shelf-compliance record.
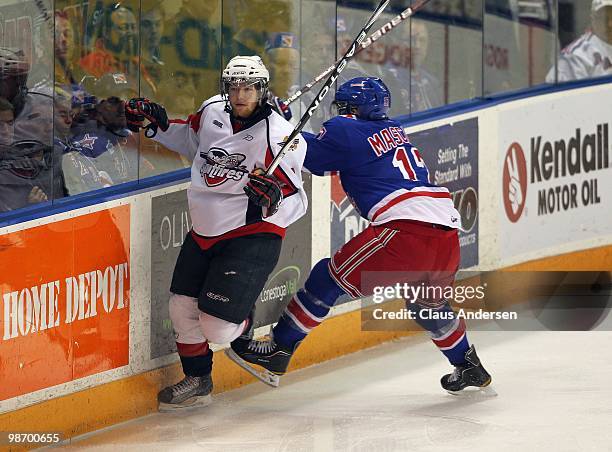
(365, 97)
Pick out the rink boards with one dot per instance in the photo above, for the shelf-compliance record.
(85, 338)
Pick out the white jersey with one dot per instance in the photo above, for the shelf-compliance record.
(586, 57)
(222, 160)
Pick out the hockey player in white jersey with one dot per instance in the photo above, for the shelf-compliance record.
(591, 54)
(239, 216)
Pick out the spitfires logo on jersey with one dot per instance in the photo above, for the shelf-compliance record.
(220, 166)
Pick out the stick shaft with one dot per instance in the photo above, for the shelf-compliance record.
(386, 28)
(350, 53)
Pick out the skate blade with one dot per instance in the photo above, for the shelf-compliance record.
(192, 402)
(269, 378)
(474, 392)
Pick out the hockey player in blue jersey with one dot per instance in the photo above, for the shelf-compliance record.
(413, 230)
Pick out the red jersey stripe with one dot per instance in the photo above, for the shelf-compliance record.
(452, 338)
(409, 195)
(287, 186)
(192, 120)
(249, 229)
(298, 312)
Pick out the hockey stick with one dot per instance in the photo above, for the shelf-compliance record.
(386, 28)
(339, 67)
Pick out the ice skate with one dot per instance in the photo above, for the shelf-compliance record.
(471, 374)
(190, 392)
(264, 359)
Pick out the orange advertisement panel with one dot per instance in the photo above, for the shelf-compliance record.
(64, 301)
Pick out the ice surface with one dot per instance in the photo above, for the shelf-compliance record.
(554, 394)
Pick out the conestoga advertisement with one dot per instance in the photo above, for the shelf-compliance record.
(555, 173)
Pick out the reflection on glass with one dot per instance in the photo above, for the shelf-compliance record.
(589, 54)
(447, 53)
(102, 148)
(318, 52)
(113, 43)
(419, 89)
(68, 66)
(252, 25)
(152, 26)
(427, 61)
(282, 58)
(66, 71)
(520, 44)
(7, 122)
(181, 56)
(29, 173)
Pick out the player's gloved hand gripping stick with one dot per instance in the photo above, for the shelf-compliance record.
(264, 191)
(291, 141)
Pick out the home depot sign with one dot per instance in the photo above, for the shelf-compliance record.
(64, 291)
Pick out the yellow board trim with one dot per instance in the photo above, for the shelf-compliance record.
(135, 396)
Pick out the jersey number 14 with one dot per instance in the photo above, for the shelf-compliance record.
(402, 161)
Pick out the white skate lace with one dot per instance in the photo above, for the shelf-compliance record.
(456, 374)
(262, 346)
(186, 385)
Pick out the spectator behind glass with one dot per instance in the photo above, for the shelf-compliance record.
(7, 122)
(63, 116)
(24, 175)
(14, 70)
(421, 90)
(115, 48)
(66, 73)
(152, 30)
(31, 109)
(591, 54)
(30, 172)
(106, 142)
(282, 58)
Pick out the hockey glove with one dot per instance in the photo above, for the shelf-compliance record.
(264, 191)
(155, 113)
(133, 117)
(280, 107)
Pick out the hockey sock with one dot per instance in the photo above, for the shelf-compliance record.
(308, 307)
(447, 331)
(300, 316)
(196, 359)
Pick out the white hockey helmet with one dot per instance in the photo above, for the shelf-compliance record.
(245, 70)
